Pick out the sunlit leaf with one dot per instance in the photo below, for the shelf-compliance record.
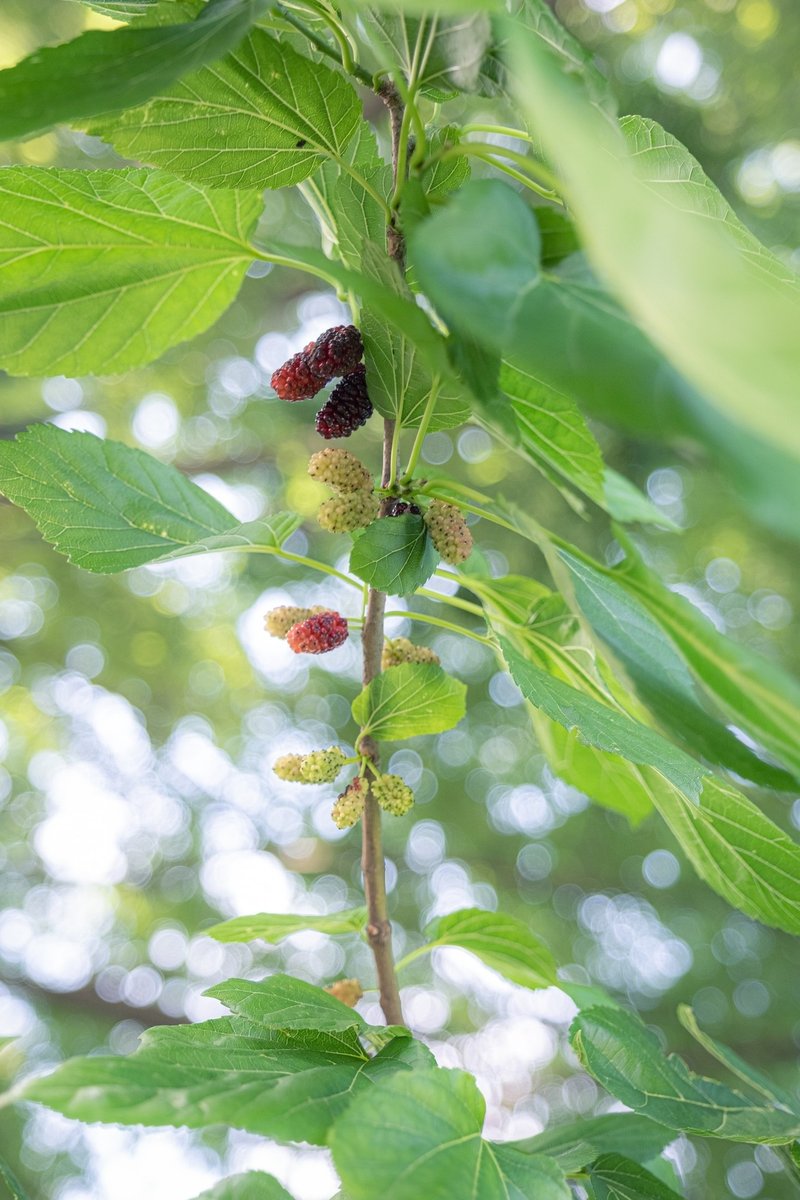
(499, 940)
(104, 270)
(285, 1065)
(758, 695)
(105, 506)
(409, 700)
(263, 116)
(104, 71)
(429, 1133)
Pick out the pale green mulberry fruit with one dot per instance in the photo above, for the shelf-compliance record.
(340, 470)
(342, 514)
(350, 805)
(449, 532)
(289, 767)
(322, 766)
(393, 794)
(400, 650)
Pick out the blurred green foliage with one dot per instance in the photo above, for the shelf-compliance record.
(139, 714)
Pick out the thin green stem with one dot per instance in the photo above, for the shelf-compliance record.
(395, 450)
(281, 260)
(453, 601)
(353, 69)
(425, 421)
(493, 155)
(402, 156)
(298, 558)
(442, 624)
(413, 955)
(503, 130)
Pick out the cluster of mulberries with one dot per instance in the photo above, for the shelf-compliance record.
(397, 651)
(355, 505)
(320, 766)
(393, 794)
(449, 532)
(278, 621)
(336, 353)
(349, 807)
(318, 633)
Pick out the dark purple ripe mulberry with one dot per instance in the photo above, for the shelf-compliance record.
(398, 508)
(348, 407)
(337, 351)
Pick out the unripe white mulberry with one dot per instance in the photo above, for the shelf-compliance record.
(400, 650)
(289, 767)
(340, 470)
(342, 514)
(322, 766)
(350, 805)
(449, 532)
(393, 794)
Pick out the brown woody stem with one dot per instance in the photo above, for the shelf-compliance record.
(379, 928)
(373, 866)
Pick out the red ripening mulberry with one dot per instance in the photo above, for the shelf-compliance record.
(336, 352)
(348, 407)
(295, 380)
(278, 621)
(318, 634)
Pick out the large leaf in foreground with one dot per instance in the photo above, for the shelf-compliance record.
(105, 71)
(263, 116)
(501, 941)
(285, 1065)
(729, 326)
(409, 700)
(629, 1061)
(101, 271)
(394, 555)
(274, 927)
(105, 506)
(429, 1133)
